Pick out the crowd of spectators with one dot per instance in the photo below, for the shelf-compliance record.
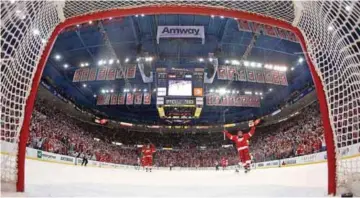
(54, 131)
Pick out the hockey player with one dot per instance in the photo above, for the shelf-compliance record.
(147, 152)
(242, 145)
(224, 163)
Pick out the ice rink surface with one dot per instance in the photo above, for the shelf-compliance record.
(58, 180)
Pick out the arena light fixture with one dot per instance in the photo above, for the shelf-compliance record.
(103, 91)
(94, 95)
(292, 68)
(145, 90)
(111, 91)
(134, 90)
(222, 91)
(136, 15)
(258, 65)
(260, 93)
(212, 16)
(57, 57)
(100, 62)
(235, 62)
(86, 64)
(154, 90)
(253, 64)
(248, 93)
(300, 60)
(118, 61)
(36, 32)
(84, 85)
(127, 60)
(227, 61)
(142, 15)
(348, 8)
(211, 59)
(90, 22)
(246, 63)
(201, 60)
(211, 90)
(237, 92)
(256, 93)
(233, 91)
(111, 61)
(110, 18)
(66, 66)
(270, 89)
(221, 17)
(82, 65)
(77, 25)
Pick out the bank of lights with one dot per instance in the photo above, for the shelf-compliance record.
(84, 64)
(223, 91)
(107, 91)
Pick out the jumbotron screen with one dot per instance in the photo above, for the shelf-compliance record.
(180, 88)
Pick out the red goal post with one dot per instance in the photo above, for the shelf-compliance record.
(29, 31)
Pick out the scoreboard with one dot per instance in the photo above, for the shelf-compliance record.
(180, 93)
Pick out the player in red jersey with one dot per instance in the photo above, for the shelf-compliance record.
(242, 145)
(147, 155)
(224, 163)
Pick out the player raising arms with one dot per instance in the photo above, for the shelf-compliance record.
(147, 156)
(242, 145)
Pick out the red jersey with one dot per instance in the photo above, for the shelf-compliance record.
(224, 162)
(147, 152)
(241, 142)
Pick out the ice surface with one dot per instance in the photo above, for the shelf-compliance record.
(51, 179)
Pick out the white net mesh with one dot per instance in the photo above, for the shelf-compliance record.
(331, 30)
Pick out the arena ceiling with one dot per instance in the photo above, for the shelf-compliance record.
(85, 44)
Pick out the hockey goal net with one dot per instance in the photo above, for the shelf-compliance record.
(328, 32)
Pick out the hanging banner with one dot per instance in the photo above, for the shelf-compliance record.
(233, 100)
(276, 77)
(180, 32)
(120, 73)
(84, 74)
(131, 71)
(113, 99)
(92, 74)
(222, 73)
(111, 74)
(121, 99)
(77, 75)
(231, 73)
(100, 100)
(107, 99)
(259, 75)
(250, 75)
(241, 74)
(101, 73)
(147, 98)
(138, 98)
(129, 99)
(283, 79)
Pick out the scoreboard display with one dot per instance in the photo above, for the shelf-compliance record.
(179, 88)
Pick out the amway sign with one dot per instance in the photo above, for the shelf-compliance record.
(180, 32)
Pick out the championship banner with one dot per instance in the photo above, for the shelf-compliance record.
(129, 99)
(77, 75)
(249, 26)
(100, 100)
(241, 74)
(84, 74)
(231, 73)
(147, 98)
(283, 79)
(180, 32)
(120, 73)
(92, 74)
(222, 73)
(111, 74)
(131, 71)
(113, 99)
(276, 77)
(101, 75)
(233, 100)
(138, 98)
(250, 75)
(259, 75)
(269, 77)
(107, 99)
(121, 99)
